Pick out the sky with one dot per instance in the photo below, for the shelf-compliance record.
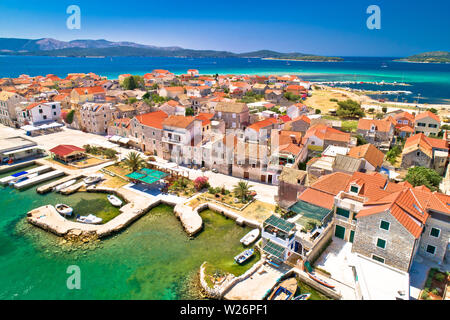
(334, 28)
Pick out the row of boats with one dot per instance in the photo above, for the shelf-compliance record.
(246, 240)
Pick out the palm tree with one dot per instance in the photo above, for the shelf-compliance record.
(134, 161)
(241, 190)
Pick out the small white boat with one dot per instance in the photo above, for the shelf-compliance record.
(116, 202)
(90, 219)
(93, 178)
(250, 237)
(244, 256)
(64, 209)
(305, 296)
(64, 185)
(23, 178)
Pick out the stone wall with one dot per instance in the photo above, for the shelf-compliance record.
(399, 242)
(441, 222)
(415, 158)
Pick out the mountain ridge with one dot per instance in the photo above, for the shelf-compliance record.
(102, 47)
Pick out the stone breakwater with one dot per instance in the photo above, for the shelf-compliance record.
(47, 218)
(219, 291)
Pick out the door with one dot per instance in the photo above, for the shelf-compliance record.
(269, 179)
(246, 175)
(352, 235)
(339, 232)
(263, 178)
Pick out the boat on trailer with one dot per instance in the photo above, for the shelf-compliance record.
(285, 290)
(244, 256)
(90, 219)
(320, 280)
(250, 237)
(93, 178)
(115, 201)
(64, 209)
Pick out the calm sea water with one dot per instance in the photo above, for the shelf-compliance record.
(152, 259)
(431, 81)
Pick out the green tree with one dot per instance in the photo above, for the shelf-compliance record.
(421, 176)
(69, 117)
(384, 109)
(242, 190)
(134, 161)
(360, 140)
(132, 82)
(393, 153)
(189, 112)
(349, 109)
(132, 100)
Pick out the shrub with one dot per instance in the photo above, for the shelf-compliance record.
(435, 292)
(334, 100)
(200, 183)
(424, 295)
(440, 277)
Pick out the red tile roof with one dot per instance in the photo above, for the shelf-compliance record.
(152, 119)
(427, 114)
(65, 149)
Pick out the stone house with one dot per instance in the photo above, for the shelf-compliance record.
(9, 101)
(427, 123)
(147, 129)
(376, 132)
(235, 114)
(420, 150)
(291, 183)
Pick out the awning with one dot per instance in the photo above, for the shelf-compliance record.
(114, 138)
(124, 140)
(20, 150)
(29, 128)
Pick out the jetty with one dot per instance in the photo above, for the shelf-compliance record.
(49, 187)
(39, 170)
(39, 179)
(47, 218)
(73, 188)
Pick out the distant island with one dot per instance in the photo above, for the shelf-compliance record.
(429, 57)
(103, 48)
(310, 58)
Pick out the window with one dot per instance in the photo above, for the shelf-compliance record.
(381, 243)
(435, 232)
(430, 125)
(40, 111)
(421, 124)
(354, 189)
(343, 212)
(384, 225)
(377, 258)
(431, 249)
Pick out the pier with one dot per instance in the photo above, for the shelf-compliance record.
(39, 179)
(49, 187)
(39, 170)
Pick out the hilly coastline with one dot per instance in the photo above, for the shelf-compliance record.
(90, 48)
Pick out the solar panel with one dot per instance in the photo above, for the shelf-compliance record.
(274, 250)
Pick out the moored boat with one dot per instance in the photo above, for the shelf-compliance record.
(285, 290)
(23, 178)
(319, 280)
(89, 219)
(244, 256)
(93, 178)
(64, 185)
(304, 296)
(64, 209)
(115, 201)
(250, 237)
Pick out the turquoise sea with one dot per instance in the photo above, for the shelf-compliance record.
(152, 259)
(431, 81)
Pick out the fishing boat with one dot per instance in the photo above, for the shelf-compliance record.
(304, 296)
(64, 209)
(250, 237)
(116, 202)
(90, 219)
(285, 290)
(319, 280)
(244, 256)
(64, 185)
(93, 178)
